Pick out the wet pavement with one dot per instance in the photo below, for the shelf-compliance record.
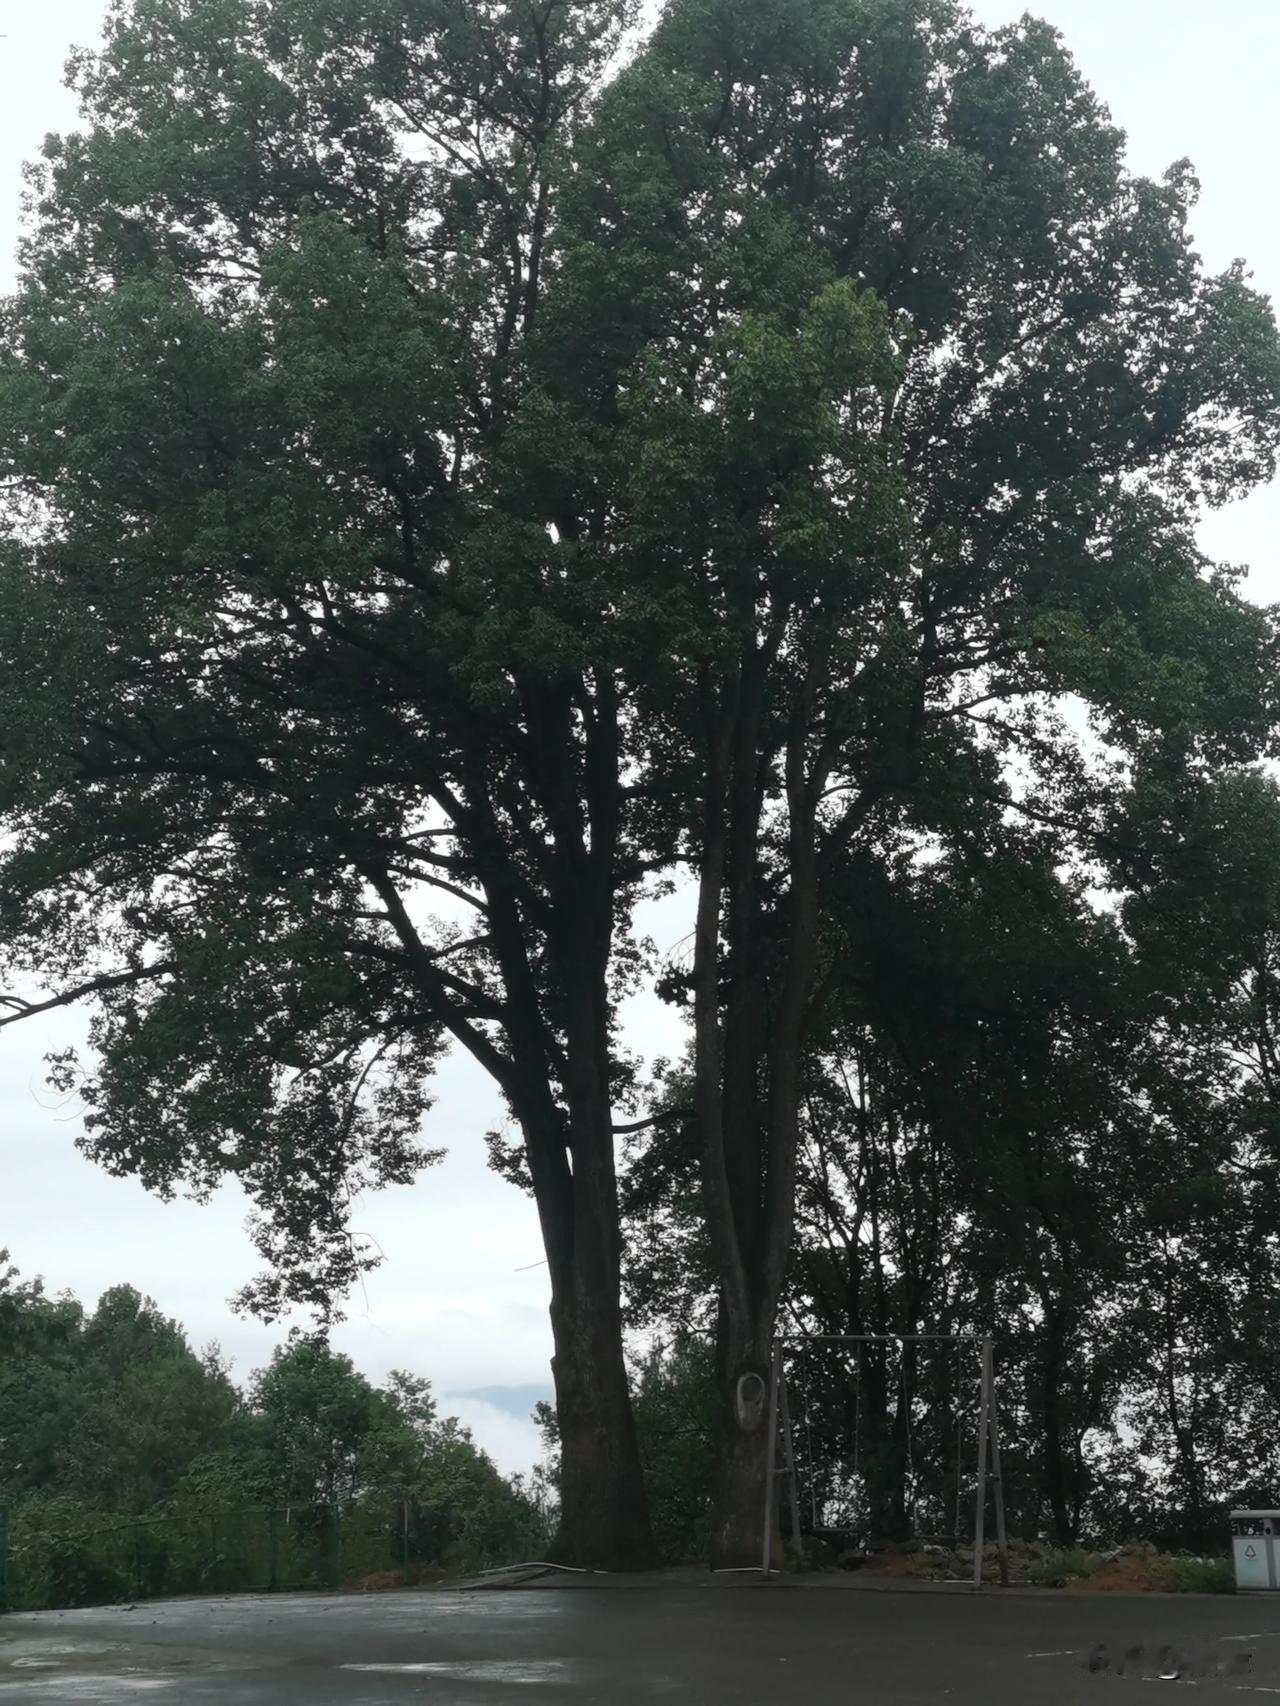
(752, 1644)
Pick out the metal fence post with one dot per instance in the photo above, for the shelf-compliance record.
(788, 1444)
(4, 1560)
(273, 1541)
(404, 1541)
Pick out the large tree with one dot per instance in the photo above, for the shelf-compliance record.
(312, 745)
(914, 392)
(443, 497)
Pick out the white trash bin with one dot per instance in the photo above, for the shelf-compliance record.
(1255, 1541)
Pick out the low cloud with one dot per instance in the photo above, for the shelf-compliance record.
(514, 1445)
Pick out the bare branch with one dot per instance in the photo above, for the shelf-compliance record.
(81, 991)
(671, 1117)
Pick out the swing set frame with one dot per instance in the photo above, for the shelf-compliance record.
(988, 1428)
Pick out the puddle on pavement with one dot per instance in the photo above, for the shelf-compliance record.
(514, 1671)
(36, 1650)
(84, 1690)
(78, 1664)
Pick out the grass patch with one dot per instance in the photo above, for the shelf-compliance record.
(1072, 1564)
(1176, 1572)
(1187, 1574)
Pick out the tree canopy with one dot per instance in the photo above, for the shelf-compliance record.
(465, 465)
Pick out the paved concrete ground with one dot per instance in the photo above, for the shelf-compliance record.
(752, 1645)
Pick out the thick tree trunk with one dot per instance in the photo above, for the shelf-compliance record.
(604, 1522)
(560, 1091)
(882, 1448)
(604, 1508)
(1053, 1449)
(747, 1075)
(1181, 1427)
(604, 1517)
(743, 1457)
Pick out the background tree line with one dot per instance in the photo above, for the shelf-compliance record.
(109, 1414)
(470, 467)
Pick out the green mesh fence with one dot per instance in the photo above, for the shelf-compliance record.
(52, 1558)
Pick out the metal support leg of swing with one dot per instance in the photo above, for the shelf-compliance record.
(789, 1446)
(988, 1436)
(780, 1414)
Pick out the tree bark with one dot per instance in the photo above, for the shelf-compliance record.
(557, 1079)
(883, 1450)
(604, 1516)
(1053, 1449)
(748, 1096)
(742, 1467)
(1182, 1429)
(604, 1520)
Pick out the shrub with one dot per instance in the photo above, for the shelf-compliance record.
(1069, 1565)
(1188, 1574)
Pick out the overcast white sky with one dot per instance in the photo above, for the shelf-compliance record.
(461, 1297)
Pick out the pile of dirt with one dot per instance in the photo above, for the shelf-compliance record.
(944, 1561)
(904, 1566)
(386, 1581)
(1136, 1567)
(1130, 1573)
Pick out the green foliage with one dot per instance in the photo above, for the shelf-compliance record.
(28, 1319)
(108, 1408)
(314, 1420)
(282, 330)
(924, 606)
(675, 1403)
(1022, 1117)
(61, 1553)
(1200, 1575)
(453, 469)
(349, 466)
(129, 1466)
(1071, 1564)
(1173, 1572)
